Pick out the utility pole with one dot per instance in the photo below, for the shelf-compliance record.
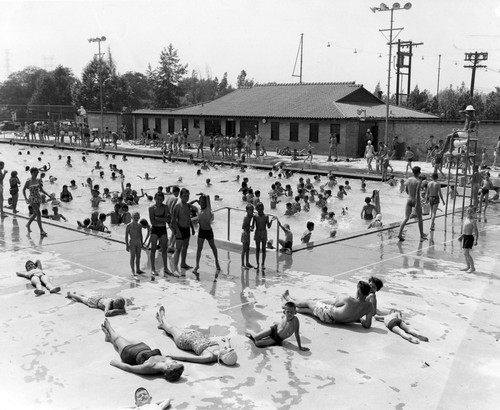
(475, 58)
(439, 74)
(403, 62)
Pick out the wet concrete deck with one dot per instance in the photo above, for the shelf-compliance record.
(54, 354)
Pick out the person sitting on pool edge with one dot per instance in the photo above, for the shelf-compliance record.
(110, 306)
(139, 358)
(38, 278)
(144, 399)
(205, 349)
(278, 332)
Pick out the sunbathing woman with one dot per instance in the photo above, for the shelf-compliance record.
(139, 358)
(111, 307)
(38, 278)
(205, 349)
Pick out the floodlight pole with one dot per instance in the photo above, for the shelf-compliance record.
(98, 40)
(384, 7)
(388, 81)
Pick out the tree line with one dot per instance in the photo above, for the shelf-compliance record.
(170, 85)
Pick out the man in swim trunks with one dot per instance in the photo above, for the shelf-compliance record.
(343, 309)
(181, 223)
(206, 350)
(159, 216)
(139, 358)
(36, 275)
(412, 186)
(288, 326)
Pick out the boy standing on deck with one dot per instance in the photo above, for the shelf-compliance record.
(261, 223)
(288, 326)
(433, 196)
(245, 236)
(134, 242)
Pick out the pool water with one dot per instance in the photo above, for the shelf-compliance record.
(184, 175)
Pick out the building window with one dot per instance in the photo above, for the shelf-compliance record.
(275, 131)
(313, 132)
(185, 125)
(196, 123)
(158, 125)
(171, 125)
(294, 131)
(145, 124)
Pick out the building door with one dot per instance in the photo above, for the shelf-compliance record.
(250, 126)
(363, 128)
(230, 127)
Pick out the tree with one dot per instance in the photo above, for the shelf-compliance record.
(378, 92)
(452, 101)
(54, 87)
(242, 81)
(419, 100)
(224, 86)
(141, 93)
(492, 105)
(166, 79)
(116, 92)
(19, 87)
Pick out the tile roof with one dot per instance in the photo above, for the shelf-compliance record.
(379, 110)
(311, 100)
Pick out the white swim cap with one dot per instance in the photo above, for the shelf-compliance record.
(378, 217)
(228, 357)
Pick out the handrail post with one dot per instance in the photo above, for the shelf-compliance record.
(228, 224)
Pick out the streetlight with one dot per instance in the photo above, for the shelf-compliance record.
(99, 40)
(384, 7)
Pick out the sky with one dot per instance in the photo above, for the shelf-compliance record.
(258, 36)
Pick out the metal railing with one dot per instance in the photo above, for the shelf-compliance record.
(230, 208)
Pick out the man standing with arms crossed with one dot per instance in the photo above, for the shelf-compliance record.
(412, 187)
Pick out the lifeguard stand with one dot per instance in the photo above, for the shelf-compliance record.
(463, 147)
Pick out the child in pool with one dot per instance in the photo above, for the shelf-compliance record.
(306, 236)
(368, 209)
(377, 223)
(287, 243)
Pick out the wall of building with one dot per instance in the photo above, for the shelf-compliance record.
(411, 133)
(111, 120)
(415, 133)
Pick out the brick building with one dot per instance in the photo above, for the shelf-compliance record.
(294, 114)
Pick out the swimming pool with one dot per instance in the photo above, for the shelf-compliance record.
(223, 181)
